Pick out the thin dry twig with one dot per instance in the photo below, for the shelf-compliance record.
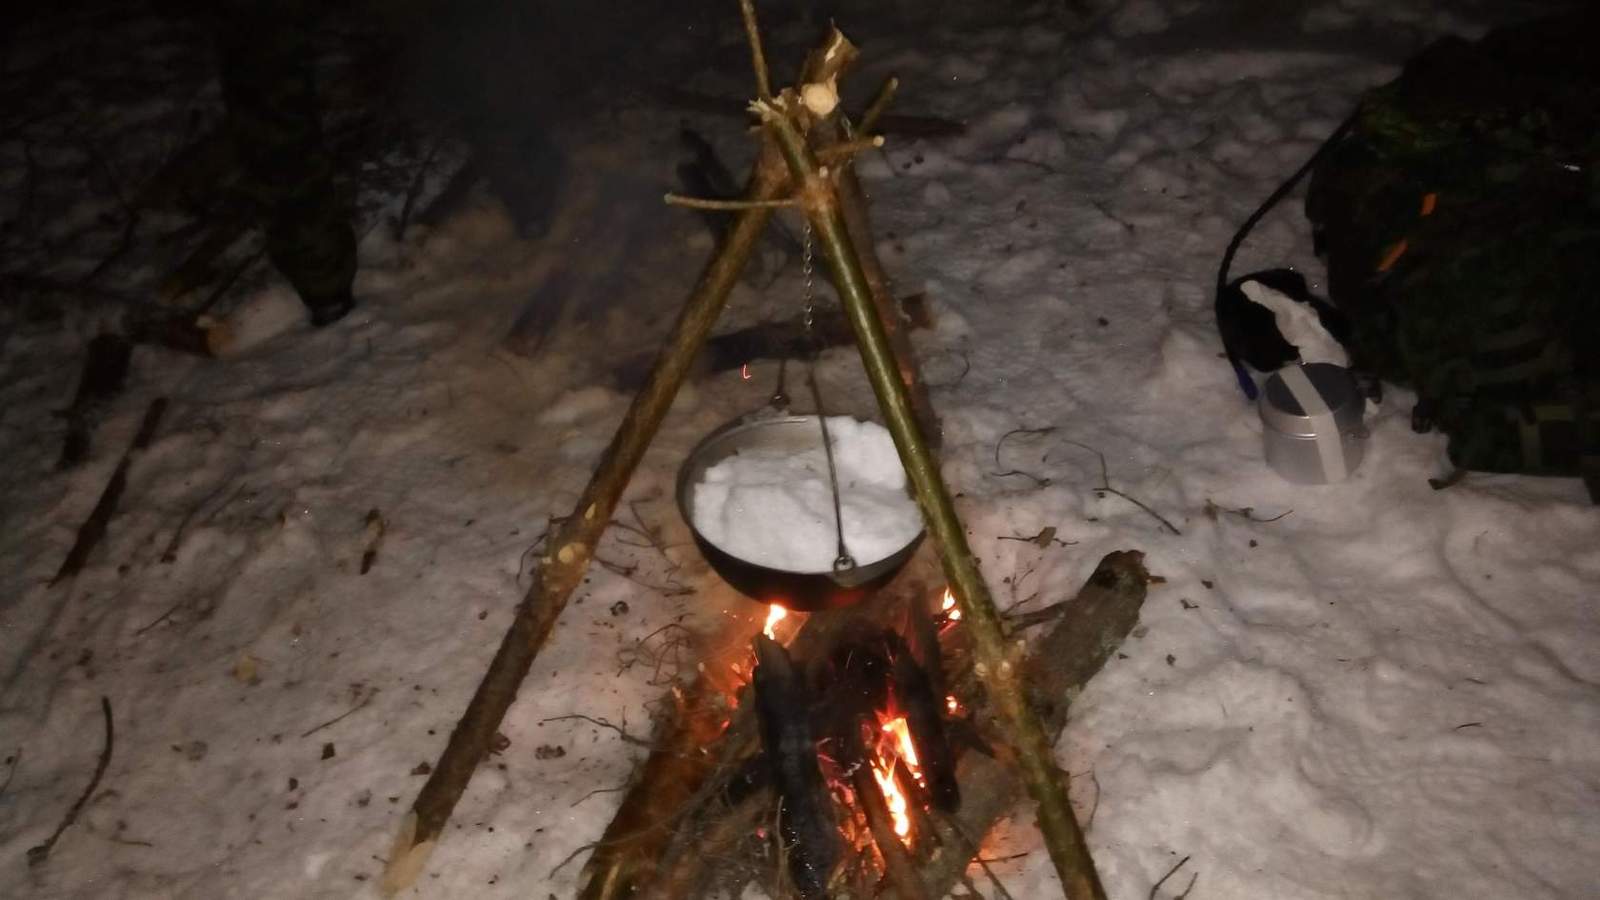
(966, 366)
(1105, 486)
(603, 723)
(37, 855)
(666, 590)
(845, 150)
(610, 790)
(970, 847)
(880, 102)
(727, 205)
(162, 618)
(1095, 780)
(412, 192)
(1041, 482)
(360, 705)
(1157, 886)
(1248, 513)
(170, 554)
(1043, 539)
(671, 649)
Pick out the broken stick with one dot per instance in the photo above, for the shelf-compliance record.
(94, 527)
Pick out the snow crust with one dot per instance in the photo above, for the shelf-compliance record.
(775, 509)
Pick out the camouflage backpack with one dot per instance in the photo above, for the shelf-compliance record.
(1458, 212)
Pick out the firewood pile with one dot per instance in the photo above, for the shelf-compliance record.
(860, 755)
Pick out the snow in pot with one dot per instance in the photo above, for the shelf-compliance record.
(759, 494)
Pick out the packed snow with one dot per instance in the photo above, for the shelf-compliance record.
(1368, 689)
(775, 508)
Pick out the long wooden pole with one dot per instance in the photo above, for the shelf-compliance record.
(571, 547)
(997, 666)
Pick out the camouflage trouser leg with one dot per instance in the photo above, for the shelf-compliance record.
(273, 120)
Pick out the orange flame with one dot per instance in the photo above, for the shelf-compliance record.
(949, 606)
(775, 614)
(902, 736)
(895, 800)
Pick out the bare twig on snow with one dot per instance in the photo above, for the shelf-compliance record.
(37, 855)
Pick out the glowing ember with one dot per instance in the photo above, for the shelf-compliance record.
(895, 800)
(951, 704)
(949, 606)
(775, 614)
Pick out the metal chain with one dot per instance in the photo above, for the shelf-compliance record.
(808, 269)
(843, 562)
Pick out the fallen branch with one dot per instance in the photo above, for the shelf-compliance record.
(94, 527)
(37, 855)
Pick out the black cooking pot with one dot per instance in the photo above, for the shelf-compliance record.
(804, 591)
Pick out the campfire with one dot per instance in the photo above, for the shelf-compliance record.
(854, 743)
(851, 753)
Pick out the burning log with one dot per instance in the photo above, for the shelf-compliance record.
(805, 820)
(899, 867)
(923, 711)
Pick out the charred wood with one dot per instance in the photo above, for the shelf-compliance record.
(805, 818)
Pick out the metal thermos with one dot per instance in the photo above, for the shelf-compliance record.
(1312, 429)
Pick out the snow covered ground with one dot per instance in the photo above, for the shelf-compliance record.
(1388, 691)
